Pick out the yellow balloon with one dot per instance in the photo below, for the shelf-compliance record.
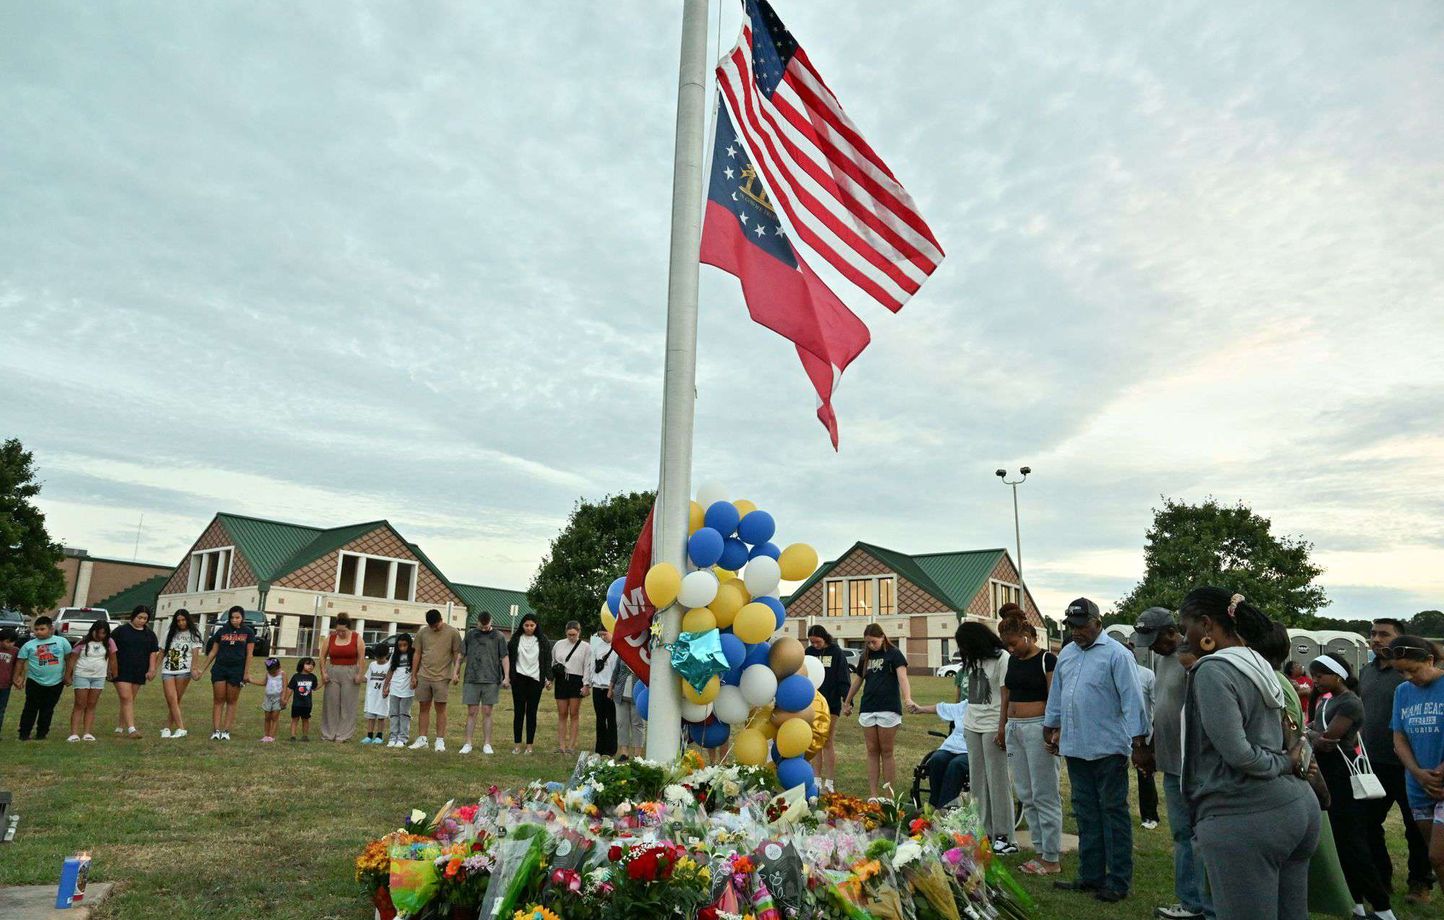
(662, 583)
(708, 694)
(797, 562)
(754, 623)
(741, 587)
(609, 622)
(698, 620)
(723, 574)
(750, 747)
(744, 507)
(728, 601)
(605, 612)
(793, 738)
(695, 518)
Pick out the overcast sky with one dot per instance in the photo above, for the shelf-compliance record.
(329, 262)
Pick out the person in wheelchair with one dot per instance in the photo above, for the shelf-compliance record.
(947, 767)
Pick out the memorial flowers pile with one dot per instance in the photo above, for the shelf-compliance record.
(627, 839)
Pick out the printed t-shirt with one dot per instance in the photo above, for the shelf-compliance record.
(880, 690)
(179, 658)
(45, 660)
(302, 685)
(231, 642)
(437, 649)
(985, 693)
(375, 679)
(1419, 714)
(92, 658)
(7, 667)
(401, 677)
(133, 648)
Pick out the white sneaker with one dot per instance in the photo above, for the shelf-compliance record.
(225, 736)
(1150, 825)
(465, 748)
(87, 737)
(73, 738)
(441, 744)
(179, 733)
(165, 732)
(394, 744)
(119, 730)
(486, 749)
(419, 743)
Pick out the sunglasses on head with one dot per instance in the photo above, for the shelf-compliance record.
(1407, 653)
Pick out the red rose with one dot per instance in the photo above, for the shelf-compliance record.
(614, 853)
(643, 868)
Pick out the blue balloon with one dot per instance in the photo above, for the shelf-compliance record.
(734, 648)
(774, 753)
(812, 789)
(794, 693)
(778, 610)
(696, 731)
(715, 734)
(734, 554)
(794, 771)
(639, 699)
(614, 596)
(722, 517)
(704, 547)
(756, 527)
(765, 549)
(757, 654)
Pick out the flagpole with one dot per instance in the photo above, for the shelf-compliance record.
(664, 727)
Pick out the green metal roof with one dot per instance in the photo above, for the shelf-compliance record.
(498, 601)
(146, 592)
(953, 578)
(267, 545)
(325, 541)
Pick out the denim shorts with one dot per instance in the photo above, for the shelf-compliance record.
(87, 683)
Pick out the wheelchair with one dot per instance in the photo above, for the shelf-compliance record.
(922, 784)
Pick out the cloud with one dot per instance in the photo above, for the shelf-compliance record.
(334, 262)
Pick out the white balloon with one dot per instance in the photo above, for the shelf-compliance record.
(759, 685)
(695, 712)
(815, 671)
(761, 575)
(698, 589)
(711, 492)
(731, 706)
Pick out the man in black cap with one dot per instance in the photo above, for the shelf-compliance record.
(1095, 719)
(1157, 631)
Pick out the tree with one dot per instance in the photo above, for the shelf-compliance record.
(591, 552)
(1427, 623)
(1232, 548)
(30, 578)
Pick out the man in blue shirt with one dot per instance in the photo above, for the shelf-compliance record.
(1095, 718)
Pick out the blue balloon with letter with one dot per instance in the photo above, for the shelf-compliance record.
(614, 596)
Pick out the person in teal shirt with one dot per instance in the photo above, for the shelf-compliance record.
(40, 669)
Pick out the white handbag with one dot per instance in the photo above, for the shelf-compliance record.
(1361, 777)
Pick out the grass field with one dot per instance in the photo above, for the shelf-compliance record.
(237, 831)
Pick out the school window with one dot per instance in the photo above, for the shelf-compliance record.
(886, 596)
(1006, 594)
(834, 598)
(946, 657)
(859, 596)
(210, 570)
(376, 576)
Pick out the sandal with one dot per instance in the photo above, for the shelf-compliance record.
(1034, 867)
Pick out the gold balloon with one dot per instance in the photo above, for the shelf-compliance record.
(744, 507)
(794, 737)
(698, 620)
(761, 721)
(695, 518)
(806, 715)
(821, 725)
(786, 656)
(730, 598)
(750, 747)
(708, 694)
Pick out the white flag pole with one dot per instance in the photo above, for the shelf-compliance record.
(664, 726)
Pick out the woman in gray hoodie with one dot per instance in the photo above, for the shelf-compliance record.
(1255, 820)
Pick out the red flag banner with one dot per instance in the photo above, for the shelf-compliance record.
(632, 636)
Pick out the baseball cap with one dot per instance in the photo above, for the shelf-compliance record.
(1080, 612)
(1149, 623)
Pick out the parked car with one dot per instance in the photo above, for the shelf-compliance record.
(73, 623)
(950, 669)
(255, 619)
(853, 656)
(14, 620)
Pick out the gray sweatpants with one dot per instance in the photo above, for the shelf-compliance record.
(399, 711)
(1035, 777)
(631, 728)
(988, 779)
(1258, 863)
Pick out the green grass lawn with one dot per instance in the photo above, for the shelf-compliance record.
(237, 831)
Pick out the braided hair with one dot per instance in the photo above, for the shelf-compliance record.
(1233, 614)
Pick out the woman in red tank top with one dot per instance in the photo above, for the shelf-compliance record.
(341, 676)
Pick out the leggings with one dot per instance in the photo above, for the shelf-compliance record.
(526, 695)
(988, 779)
(1350, 821)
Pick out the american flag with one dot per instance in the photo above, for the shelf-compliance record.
(843, 207)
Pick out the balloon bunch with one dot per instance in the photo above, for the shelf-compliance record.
(734, 674)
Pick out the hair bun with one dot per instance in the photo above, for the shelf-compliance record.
(1011, 611)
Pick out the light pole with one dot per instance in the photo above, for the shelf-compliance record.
(1017, 532)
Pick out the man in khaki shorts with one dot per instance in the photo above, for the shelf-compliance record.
(438, 665)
